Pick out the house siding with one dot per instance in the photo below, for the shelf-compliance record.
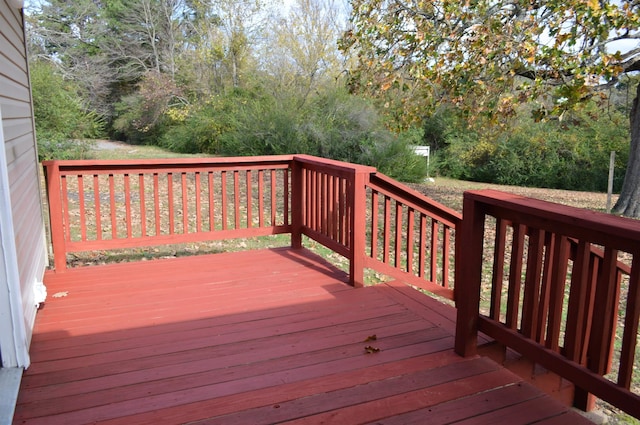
(21, 155)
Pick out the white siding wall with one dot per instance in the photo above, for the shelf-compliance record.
(21, 157)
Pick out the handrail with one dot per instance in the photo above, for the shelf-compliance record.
(558, 304)
(411, 237)
(130, 203)
(115, 204)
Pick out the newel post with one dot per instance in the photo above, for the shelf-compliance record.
(468, 277)
(358, 228)
(56, 220)
(297, 206)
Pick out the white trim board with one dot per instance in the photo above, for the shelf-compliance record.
(14, 347)
(10, 378)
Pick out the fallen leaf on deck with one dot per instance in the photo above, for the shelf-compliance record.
(60, 294)
(369, 349)
(371, 338)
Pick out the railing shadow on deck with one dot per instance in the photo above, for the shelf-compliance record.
(378, 223)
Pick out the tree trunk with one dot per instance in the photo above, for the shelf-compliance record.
(629, 202)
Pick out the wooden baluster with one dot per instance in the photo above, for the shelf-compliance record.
(96, 204)
(605, 311)
(422, 247)
(225, 203)
(65, 207)
(185, 203)
(578, 303)
(545, 292)
(198, 195)
(249, 182)
(261, 195)
(498, 268)
(285, 195)
(558, 283)
(143, 206)
(533, 278)
(374, 224)
(170, 201)
(274, 198)
(398, 235)
(236, 199)
(81, 207)
(632, 316)
(112, 207)
(387, 229)
(433, 268)
(211, 195)
(446, 261)
(515, 276)
(127, 204)
(156, 204)
(410, 235)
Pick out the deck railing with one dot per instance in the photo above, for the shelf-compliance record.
(565, 290)
(410, 236)
(101, 205)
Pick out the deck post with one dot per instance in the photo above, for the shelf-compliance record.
(358, 228)
(297, 206)
(468, 277)
(56, 219)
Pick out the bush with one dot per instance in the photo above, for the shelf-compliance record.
(572, 153)
(333, 125)
(59, 115)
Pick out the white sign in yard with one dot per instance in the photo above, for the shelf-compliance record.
(422, 150)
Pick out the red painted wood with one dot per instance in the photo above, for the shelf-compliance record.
(249, 195)
(410, 239)
(210, 198)
(397, 230)
(632, 317)
(422, 245)
(387, 230)
(433, 272)
(374, 225)
(225, 202)
(446, 256)
(127, 205)
(531, 297)
(65, 208)
(184, 203)
(498, 269)
(96, 203)
(170, 203)
(261, 195)
(579, 307)
(112, 207)
(515, 276)
(81, 206)
(143, 205)
(236, 199)
(156, 203)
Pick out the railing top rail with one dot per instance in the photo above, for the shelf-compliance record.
(600, 228)
(379, 181)
(331, 163)
(168, 162)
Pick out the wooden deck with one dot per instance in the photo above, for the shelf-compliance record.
(256, 338)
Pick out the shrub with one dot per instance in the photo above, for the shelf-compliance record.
(59, 115)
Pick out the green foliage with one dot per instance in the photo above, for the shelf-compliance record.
(568, 154)
(333, 125)
(60, 115)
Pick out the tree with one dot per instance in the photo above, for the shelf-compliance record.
(301, 54)
(485, 56)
